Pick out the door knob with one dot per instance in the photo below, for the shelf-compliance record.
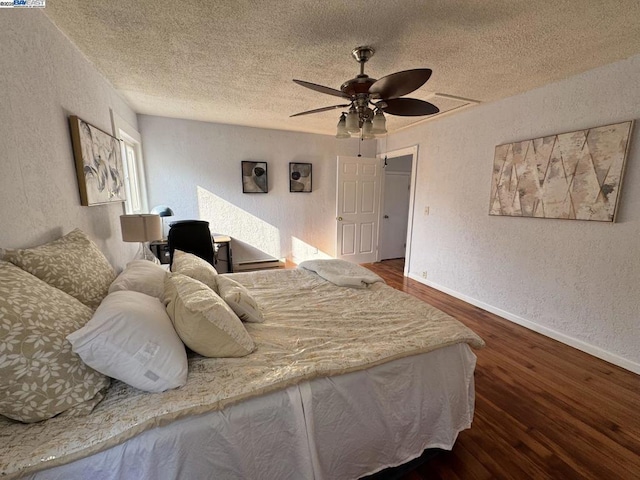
(386, 216)
(339, 219)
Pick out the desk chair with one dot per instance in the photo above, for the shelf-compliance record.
(191, 236)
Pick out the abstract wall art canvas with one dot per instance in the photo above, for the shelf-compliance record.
(300, 177)
(254, 177)
(575, 175)
(98, 164)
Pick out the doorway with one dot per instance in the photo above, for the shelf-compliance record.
(398, 190)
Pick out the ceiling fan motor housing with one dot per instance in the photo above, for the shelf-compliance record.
(361, 84)
(362, 89)
(358, 86)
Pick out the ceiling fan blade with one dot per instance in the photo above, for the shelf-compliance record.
(318, 110)
(408, 107)
(321, 88)
(400, 83)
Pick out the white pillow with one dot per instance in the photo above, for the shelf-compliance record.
(141, 276)
(239, 299)
(131, 338)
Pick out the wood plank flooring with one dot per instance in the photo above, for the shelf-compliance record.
(544, 410)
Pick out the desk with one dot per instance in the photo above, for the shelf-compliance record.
(223, 259)
(222, 256)
(160, 249)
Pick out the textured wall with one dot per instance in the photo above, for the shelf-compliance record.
(43, 79)
(577, 281)
(194, 167)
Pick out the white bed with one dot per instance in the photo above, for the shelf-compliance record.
(344, 382)
(339, 427)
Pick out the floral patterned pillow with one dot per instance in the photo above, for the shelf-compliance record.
(41, 376)
(73, 264)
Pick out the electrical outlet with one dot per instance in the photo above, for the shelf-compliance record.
(426, 211)
(424, 274)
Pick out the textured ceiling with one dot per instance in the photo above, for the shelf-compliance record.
(233, 61)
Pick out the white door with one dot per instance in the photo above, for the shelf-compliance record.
(395, 215)
(358, 199)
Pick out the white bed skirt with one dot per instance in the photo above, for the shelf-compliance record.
(341, 427)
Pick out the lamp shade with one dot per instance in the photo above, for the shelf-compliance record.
(141, 228)
(379, 123)
(342, 128)
(352, 121)
(367, 129)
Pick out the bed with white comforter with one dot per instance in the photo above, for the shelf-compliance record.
(343, 382)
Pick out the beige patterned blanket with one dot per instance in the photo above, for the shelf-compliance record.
(312, 328)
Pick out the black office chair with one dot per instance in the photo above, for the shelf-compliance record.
(191, 236)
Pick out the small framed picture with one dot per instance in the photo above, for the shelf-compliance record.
(254, 177)
(300, 177)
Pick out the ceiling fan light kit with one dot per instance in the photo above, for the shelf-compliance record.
(342, 127)
(379, 123)
(367, 130)
(365, 117)
(353, 120)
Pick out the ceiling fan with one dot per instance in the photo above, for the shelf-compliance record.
(365, 116)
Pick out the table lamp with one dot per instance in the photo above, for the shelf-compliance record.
(163, 211)
(141, 228)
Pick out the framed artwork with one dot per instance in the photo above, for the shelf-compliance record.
(300, 177)
(575, 175)
(254, 177)
(98, 161)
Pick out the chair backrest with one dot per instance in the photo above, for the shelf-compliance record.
(191, 236)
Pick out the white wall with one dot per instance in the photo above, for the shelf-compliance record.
(43, 80)
(194, 167)
(573, 280)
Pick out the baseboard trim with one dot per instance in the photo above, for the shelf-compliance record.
(251, 265)
(548, 332)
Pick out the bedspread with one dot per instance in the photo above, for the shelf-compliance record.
(312, 328)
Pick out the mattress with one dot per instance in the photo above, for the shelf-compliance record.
(330, 428)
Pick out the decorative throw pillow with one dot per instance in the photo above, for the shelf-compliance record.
(141, 276)
(204, 322)
(41, 376)
(131, 338)
(195, 267)
(73, 263)
(239, 299)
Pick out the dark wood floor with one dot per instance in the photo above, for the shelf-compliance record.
(543, 409)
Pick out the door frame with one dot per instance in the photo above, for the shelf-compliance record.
(413, 151)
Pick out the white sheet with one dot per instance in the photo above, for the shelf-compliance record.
(333, 428)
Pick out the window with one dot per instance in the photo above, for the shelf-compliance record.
(134, 177)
